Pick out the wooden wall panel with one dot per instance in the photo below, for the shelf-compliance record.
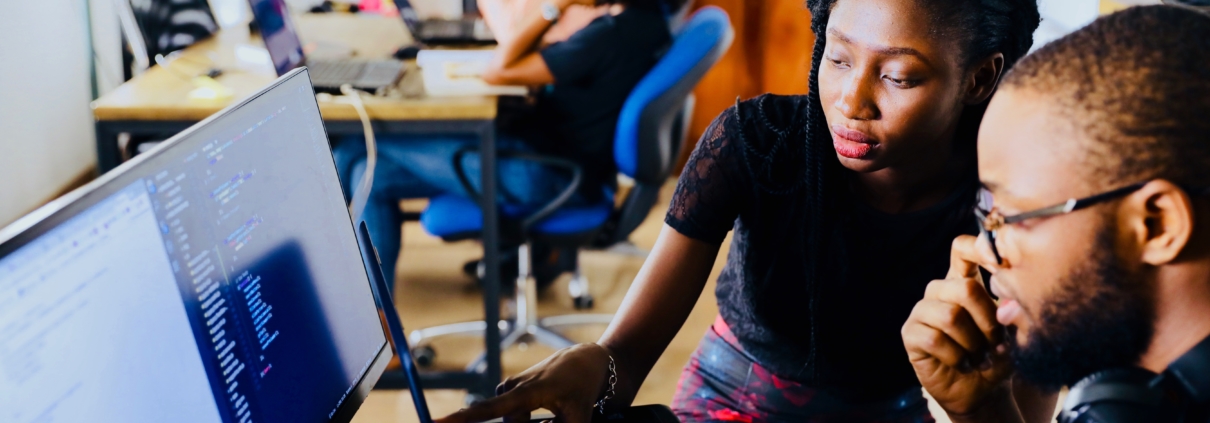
(771, 53)
(786, 43)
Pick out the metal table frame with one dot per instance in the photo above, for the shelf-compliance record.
(484, 384)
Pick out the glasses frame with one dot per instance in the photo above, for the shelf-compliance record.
(991, 221)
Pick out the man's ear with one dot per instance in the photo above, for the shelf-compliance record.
(982, 78)
(1160, 218)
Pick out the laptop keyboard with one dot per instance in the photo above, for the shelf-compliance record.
(446, 29)
(381, 71)
(359, 74)
(337, 71)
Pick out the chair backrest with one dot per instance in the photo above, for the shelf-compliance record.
(644, 147)
(677, 11)
(650, 126)
(165, 26)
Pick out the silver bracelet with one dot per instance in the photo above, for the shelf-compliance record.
(609, 392)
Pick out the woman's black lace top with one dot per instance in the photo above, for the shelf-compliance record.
(746, 175)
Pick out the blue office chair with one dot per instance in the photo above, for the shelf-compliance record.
(650, 132)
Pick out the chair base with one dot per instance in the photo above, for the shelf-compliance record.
(542, 332)
(524, 327)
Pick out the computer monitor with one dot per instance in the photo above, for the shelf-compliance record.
(281, 38)
(217, 278)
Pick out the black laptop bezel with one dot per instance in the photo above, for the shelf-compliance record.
(415, 25)
(50, 216)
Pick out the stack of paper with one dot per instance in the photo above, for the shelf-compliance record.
(449, 73)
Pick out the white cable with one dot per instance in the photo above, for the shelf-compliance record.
(361, 193)
(166, 64)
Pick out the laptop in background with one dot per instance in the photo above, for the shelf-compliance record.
(216, 279)
(444, 31)
(286, 51)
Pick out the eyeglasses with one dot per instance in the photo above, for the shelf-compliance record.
(990, 220)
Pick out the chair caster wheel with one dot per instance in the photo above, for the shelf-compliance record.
(583, 303)
(472, 399)
(424, 355)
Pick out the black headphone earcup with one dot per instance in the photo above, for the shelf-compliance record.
(1114, 395)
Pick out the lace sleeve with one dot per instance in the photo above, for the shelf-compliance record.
(712, 187)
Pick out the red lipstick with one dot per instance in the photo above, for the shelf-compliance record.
(851, 143)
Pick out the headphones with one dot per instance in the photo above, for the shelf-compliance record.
(1119, 395)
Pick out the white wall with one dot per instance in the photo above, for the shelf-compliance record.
(1060, 17)
(46, 135)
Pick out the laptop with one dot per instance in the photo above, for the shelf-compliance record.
(286, 52)
(216, 278)
(444, 31)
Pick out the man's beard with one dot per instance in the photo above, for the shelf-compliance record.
(1102, 317)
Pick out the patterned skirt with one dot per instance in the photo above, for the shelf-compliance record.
(722, 383)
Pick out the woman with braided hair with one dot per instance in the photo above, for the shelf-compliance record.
(843, 203)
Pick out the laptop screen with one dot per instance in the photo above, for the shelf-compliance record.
(277, 29)
(410, 18)
(217, 280)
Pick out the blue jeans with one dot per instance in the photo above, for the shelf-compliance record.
(421, 166)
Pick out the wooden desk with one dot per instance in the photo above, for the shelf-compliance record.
(163, 93)
(158, 104)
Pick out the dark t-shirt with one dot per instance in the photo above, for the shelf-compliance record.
(595, 69)
(744, 176)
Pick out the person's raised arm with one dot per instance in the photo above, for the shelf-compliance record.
(517, 61)
(569, 382)
(502, 17)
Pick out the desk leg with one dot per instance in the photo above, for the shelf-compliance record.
(491, 257)
(108, 154)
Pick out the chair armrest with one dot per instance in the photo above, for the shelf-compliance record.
(577, 177)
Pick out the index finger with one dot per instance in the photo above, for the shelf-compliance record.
(966, 257)
(500, 406)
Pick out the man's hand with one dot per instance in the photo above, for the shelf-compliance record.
(955, 343)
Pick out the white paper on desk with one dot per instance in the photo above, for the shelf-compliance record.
(450, 73)
(430, 57)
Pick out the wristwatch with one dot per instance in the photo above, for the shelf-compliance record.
(550, 11)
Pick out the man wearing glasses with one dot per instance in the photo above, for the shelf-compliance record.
(1095, 158)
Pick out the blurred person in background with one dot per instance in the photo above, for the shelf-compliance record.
(583, 82)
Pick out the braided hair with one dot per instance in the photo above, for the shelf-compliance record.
(982, 28)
